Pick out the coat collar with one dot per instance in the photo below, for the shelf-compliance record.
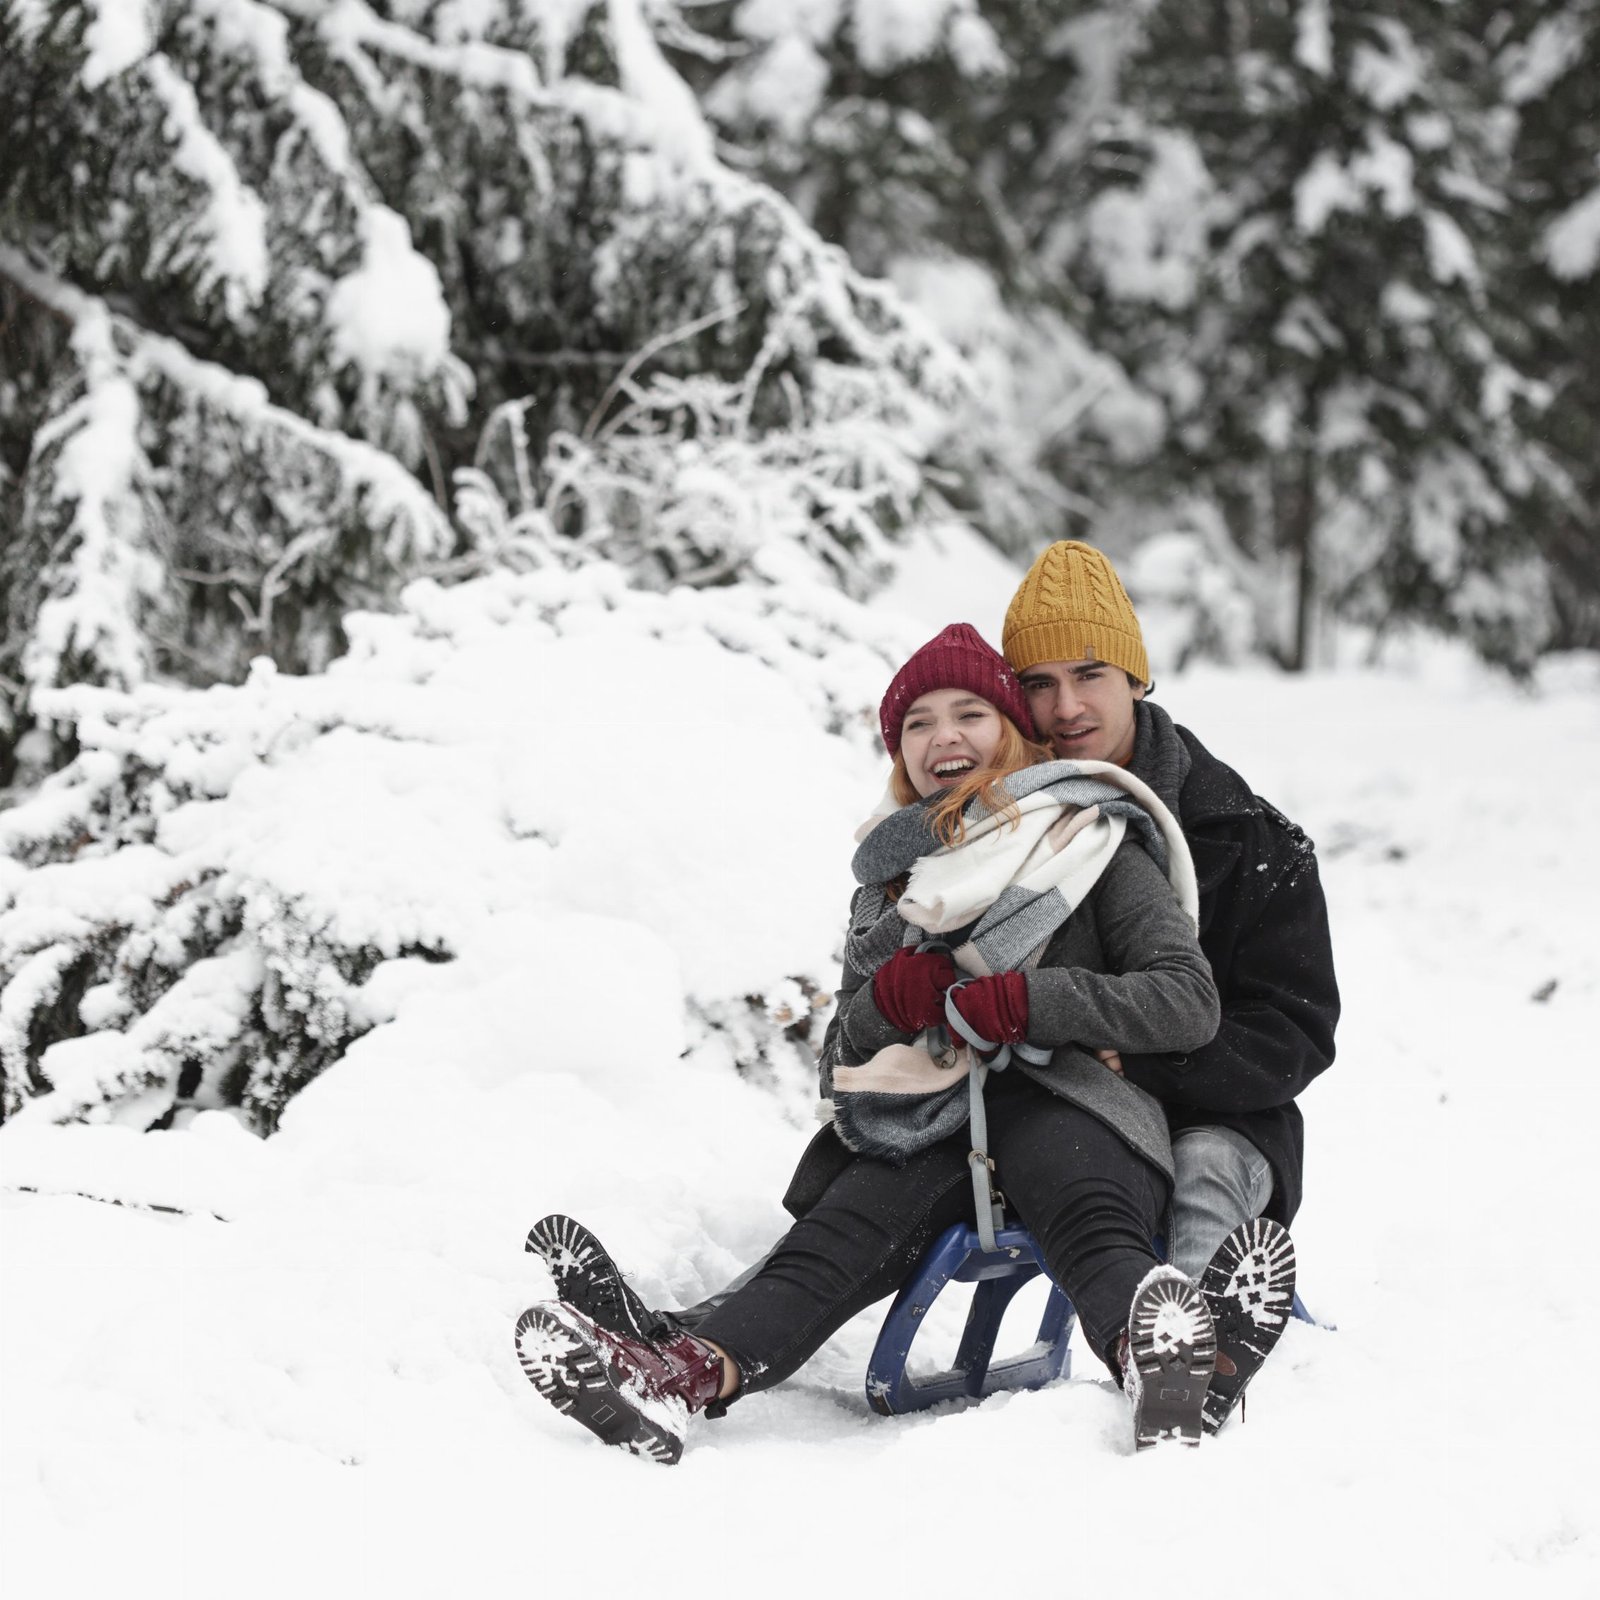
(1212, 790)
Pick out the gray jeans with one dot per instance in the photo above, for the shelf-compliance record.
(1222, 1180)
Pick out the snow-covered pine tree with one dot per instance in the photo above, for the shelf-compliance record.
(278, 264)
(1315, 208)
(280, 281)
(1549, 73)
(226, 888)
(931, 142)
(1247, 271)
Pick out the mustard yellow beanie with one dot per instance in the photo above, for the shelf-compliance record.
(1072, 607)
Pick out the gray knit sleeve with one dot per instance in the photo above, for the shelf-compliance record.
(858, 1030)
(1157, 992)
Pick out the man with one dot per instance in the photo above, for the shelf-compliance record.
(1073, 640)
(1074, 643)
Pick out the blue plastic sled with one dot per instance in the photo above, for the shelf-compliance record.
(958, 1255)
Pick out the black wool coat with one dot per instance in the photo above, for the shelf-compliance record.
(1264, 929)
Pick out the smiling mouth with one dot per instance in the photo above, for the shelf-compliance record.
(1067, 735)
(950, 771)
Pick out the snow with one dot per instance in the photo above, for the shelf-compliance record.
(684, 137)
(1386, 78)
(974, 48)
(921, 587)
(1550, 51)
(783, 85)
(1325, 187)
(1450, 253)
(1313, 42)
(770, 20)
(389, 315)
(1150, 242)
(114, 574)
(1572, 241)
(118, 35)
(339, 1348)
(1385, 168)
(259, 35)
(236, 218)
(889, 33)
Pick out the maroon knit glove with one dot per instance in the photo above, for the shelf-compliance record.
(909, 988)
(996, 1008)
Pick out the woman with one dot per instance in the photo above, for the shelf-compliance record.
(1039, 880)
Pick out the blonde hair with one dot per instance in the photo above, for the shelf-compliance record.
(1015, 751)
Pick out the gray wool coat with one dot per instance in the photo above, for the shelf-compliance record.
(1124, 972)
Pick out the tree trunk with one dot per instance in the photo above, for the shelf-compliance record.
(1301, 528)
(1304, 544)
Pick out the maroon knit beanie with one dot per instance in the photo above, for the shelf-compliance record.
(957, 659)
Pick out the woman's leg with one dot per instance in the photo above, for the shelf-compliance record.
(1092, 1204)
(856, 1245)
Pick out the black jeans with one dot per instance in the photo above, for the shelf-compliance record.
(1084, 1195)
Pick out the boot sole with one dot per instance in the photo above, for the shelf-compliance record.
(580, 1382)
(1172, 1347)
(586, 1277)
(1249, 1289)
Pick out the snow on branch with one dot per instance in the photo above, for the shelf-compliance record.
(89, 498)
(680, 488)
(227, 888)
(267, 529)
(1572, 241)
(215, 193)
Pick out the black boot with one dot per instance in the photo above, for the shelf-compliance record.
(1249, 1289)
(1166, 1357)
(586, 1277)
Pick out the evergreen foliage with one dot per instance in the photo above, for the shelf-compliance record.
(1548, 60)
(1341, 376)
(276, 266)
(226, 888)
(341, 341)
(1275, 258)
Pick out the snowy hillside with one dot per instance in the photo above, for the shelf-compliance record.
(302, 1377)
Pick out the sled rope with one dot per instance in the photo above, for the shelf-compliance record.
(988, 1203)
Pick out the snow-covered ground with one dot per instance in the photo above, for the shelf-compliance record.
(306, 1383)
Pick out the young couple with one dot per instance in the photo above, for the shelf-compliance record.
(1086, 969)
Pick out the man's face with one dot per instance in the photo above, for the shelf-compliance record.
(1084, 709)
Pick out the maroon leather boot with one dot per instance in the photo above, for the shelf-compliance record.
(629, 1392)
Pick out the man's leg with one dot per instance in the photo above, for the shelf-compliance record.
(1222, 1180)
(1244, 1266)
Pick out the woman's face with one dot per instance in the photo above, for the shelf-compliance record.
(946, 734)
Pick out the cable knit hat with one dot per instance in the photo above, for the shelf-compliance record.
(1072, 607)
(957, 659)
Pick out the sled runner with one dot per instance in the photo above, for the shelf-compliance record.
(958, 1255)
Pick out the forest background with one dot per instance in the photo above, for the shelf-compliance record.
(468, 469)
(321, 319)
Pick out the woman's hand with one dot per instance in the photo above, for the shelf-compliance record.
(996, 1007)
(909, 988)
(1112, 1059)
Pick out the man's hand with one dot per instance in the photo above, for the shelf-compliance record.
(909, 988)
(1111, 1059)
(996, 1007)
